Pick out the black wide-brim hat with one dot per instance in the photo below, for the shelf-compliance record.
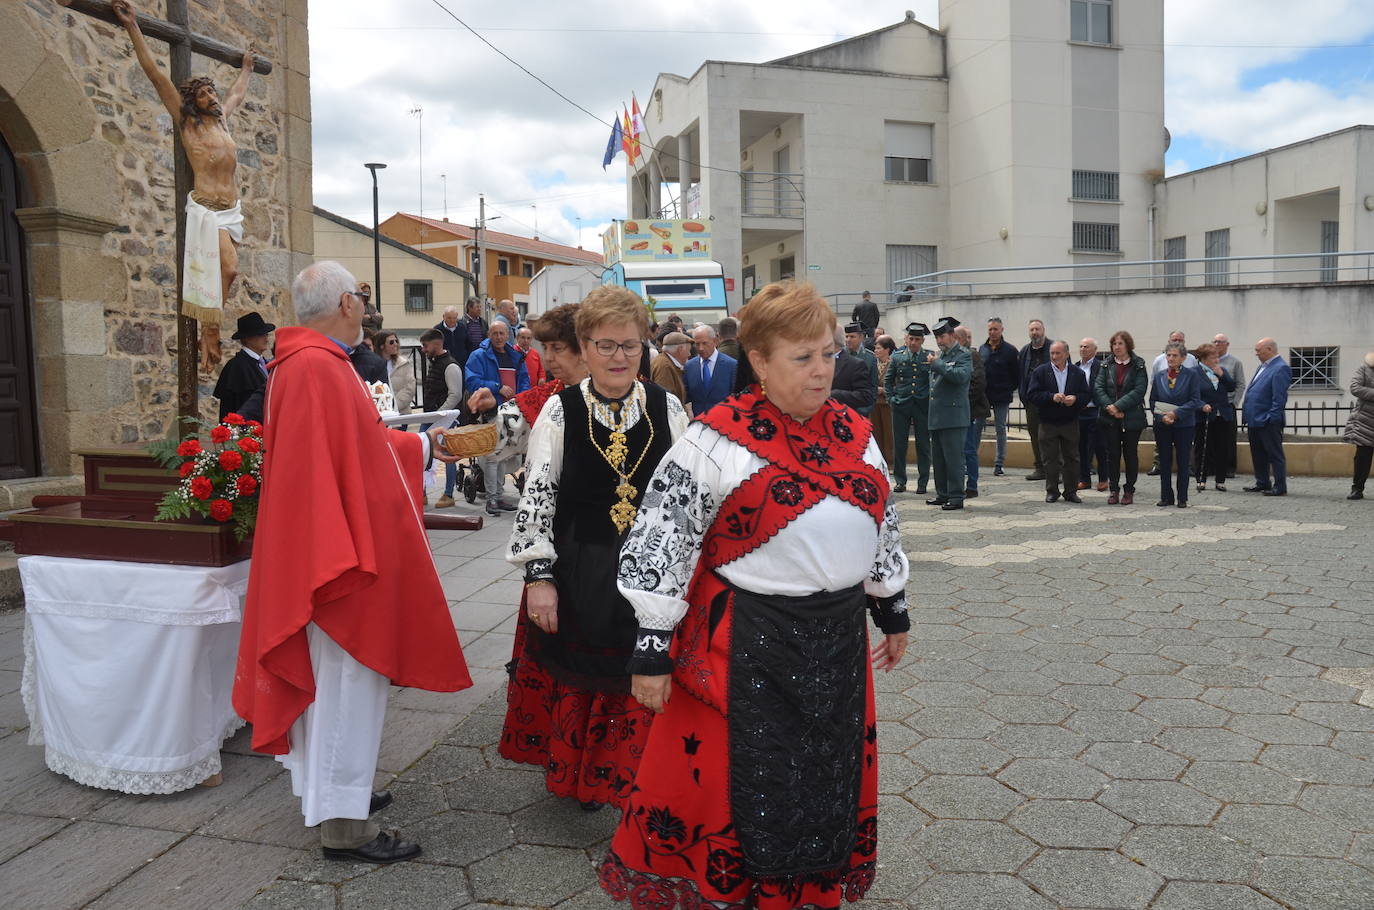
(252, 325)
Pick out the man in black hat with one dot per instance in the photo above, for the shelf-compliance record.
(907, 383)
(246, 372)
(950, 374)
(854, 344)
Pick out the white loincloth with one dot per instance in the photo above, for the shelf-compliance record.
(334, 744)
(201, 284)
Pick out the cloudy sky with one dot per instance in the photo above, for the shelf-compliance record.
(1242, 76)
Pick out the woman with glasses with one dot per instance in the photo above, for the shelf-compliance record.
(1175, 399)
(400, 375)
(592, 452)
(1120, 395)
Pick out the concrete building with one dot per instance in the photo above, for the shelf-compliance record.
(510, 260)
(415, 287)
(1018, 133)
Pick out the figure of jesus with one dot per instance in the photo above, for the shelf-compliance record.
(214, 219)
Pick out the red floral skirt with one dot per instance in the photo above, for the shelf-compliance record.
(588, 743)
(675, 848)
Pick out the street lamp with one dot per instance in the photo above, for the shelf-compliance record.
(376, 240)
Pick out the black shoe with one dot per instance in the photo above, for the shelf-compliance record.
(1230, 475)
(970, 494)
(382, 849)
(380, 800)
(1038, 475)
(1257, 488)
(1220, 487)
(1164, 503)
(952, 506)
(1051, 497)
(1275, 492)
(899, 488)
(591, 805)
(1182, 504)
(1153, 472)
(921, 490)
(997, 471)
(1072, 497)
(1355, 493)
(496, 508)
(937, 501)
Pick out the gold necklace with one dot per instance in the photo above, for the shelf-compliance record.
(623, 512)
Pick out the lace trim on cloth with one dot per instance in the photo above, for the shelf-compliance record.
(27, 683)
(141, 783)
(539, 570)
(646, 891)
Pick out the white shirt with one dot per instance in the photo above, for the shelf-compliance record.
(1087, 369)
(1061, 377)
(715, 356)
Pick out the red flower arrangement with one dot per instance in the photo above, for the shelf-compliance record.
(220, 482)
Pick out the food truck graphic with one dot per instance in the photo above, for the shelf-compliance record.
(668, 260)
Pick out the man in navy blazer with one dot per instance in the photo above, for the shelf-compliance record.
(1060, 391)
(1265, 399)
(709, 376)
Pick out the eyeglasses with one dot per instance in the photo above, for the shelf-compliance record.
(607, 348)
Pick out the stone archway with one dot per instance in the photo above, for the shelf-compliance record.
(67, 204)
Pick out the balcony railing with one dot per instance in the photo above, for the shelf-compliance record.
(772, 195)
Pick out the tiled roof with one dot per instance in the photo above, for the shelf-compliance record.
(541, 248)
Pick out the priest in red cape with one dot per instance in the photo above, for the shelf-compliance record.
(343, 596)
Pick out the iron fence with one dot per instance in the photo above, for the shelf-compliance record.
(772, 195)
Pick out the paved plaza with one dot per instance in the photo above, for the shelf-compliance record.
(1102, 708)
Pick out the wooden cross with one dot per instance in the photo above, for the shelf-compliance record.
(176, 33)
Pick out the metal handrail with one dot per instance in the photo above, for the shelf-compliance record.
(772, 195)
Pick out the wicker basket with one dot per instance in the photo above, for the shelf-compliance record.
(472, 441)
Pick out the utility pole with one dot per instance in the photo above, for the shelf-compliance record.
(443, 179)
(419, 113)
(479, 270)
(375, 166)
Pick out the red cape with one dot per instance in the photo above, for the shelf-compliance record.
(340, 542)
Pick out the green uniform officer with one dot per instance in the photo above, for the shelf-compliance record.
(908, 391)
(950, 373)
(854, 343)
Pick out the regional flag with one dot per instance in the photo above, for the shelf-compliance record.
(636, 119)
(613, 145)
(627, 138)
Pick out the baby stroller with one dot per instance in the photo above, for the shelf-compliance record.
(470, 480)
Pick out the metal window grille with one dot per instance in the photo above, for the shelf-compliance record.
(1331, 242)
(1314, 368)
(906, 170)
(1092, 237)
(1176, 273)
(1091, 21)
(1097, 185)
(774, 195)
(419, 296)
(904, 261)
(1218, 245)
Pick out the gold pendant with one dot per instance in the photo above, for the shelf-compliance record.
(623, 515)
(617, 450)
(626, 490)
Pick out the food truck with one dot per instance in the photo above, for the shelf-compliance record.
(670, 261)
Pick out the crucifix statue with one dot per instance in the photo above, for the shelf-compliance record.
(209, 219)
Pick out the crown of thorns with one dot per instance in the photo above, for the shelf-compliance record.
(191, 86)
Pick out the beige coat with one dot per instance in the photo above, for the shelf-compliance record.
(403, 384)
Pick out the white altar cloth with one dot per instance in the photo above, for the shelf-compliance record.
(129, 667)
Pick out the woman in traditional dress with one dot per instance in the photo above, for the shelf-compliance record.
(765, 533)
(591, 453)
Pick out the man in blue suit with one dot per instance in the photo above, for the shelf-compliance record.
(710, 376)
(1265, 399)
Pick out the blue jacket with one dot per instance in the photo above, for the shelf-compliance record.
(483, 372)
(1043, 387)
(1267, 394)
(722, 383)
(1003, 370)
(1185, 394)
(1218, 396)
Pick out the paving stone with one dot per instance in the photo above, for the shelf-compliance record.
(291, 895)
(1316, 884)
(1361, 851)
(1004, 682)
(189, 809)
(529, 875)
(268, 815)
(976, 892)
(1356, 718)
(1199, 854)
(1281, 729)
(958, 756)
(477, 730)
(1158, 686)
(86, 858)
(1052, 778)
(1249, 701)
(1182, 712)
(1114, 726)
(1206, 896)
(896, 774)
(407, 886)
(1360, 745)
(900, 871)
(953, 796)
(1311, 689)
(1084, 674)
(1208, 743)
(445, 764)
(20, 832)
(29, 788)
(1069, 823)
(1350, 807)
(1027, 709)
(1134, 761)
(1091, 878)
(896, 737)
(972, 846)
(1241, 782)
(1318, 764)
(1158, 802)
(952, 722)
(199, 873)
(1283, 830)
(460, 838)
(1040, 741)
(899, 819)
(1096, 698)
(559, 822)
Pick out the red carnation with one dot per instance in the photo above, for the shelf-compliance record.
(255, 428)
(221, 510)
(189, 447)
(234, 419)
(186, 468)
(202, 488)
(247, 485)
(230, 461)
(221, 433)
(250, 445)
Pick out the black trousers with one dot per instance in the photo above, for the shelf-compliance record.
(1363, 456)
(1121, 442)
(1266, 451)
(1175, 446)
(1091, 445)
(1033, 428)
(1059, 443)
(1215, 444)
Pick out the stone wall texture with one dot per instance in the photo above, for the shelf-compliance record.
(95, 147)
